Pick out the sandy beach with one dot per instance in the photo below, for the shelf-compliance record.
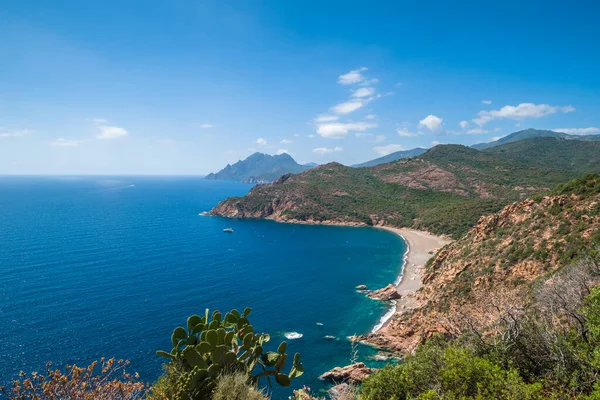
(421, 247)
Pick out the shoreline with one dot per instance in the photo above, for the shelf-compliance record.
(420, 247)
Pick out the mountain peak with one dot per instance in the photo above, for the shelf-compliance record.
(259, 167)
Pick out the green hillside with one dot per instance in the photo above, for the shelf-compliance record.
(535, 133)
(565, 154)
(445, 190)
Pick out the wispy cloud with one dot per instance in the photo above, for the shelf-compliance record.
(387, 149)
(405, 132)
(578, 131)
(481, 131)
(206, 126)
(326, 118)
(285, 141)
(352, 77)
(5, 133)
(486, 101)
(281, 151)
(463, 124)
(348, 106)
(326, 150)
(520, 112)
(370, 116)
(339, 130)
(296, 135)
(431, 122)
(111, 132)
(363, 92)
(62, 142)
(107, 131)
(261, 142)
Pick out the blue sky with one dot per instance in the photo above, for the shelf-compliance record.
(184, 87)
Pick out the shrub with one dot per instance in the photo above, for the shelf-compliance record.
(110, 382)
(236, 387)
(442, 370)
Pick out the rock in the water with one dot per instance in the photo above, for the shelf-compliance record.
(354, 373)
(361, 287)
(387, 293)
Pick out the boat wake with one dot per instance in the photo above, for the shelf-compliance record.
(293, 335)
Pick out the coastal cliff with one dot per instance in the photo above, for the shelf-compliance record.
(443, 191)
(495, 266)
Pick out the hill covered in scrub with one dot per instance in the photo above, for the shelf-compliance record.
(499, 263)
(444, 191)
(535, 133)
(397, 155)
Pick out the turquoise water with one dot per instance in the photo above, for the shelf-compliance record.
(109, 266)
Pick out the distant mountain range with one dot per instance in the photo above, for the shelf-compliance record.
(398, 155)
(260, 168)
(535, 133)
(513, 137)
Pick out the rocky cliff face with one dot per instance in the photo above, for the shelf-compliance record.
(495, 265)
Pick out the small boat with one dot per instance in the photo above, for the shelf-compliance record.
(228, 230)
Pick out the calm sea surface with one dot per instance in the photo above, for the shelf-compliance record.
(109, 266)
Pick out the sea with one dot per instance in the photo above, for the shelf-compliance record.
(96, 267)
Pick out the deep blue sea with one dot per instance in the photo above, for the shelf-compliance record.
(109, 266)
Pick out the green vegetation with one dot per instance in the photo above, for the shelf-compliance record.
(210, 348)
(445, 190)
(563, 154)
(535, 133)
(548, 350)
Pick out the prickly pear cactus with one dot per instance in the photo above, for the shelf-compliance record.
(215, 344)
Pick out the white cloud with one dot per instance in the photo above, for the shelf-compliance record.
(62, 142)
(432, 123)
(296, 135)
(111, 132)
(379, 138)
(339, 130)
(348, 106)
(99, 121)
(578, 131)
(520, 112)
(404, 132)
(326, 150)
(496, 138)
(281, 151)
(327, 118)
(371, 116)
(206, 126)
(310, 136)
(16, 133)
(435, 143)
(261, 142)
(486, 101)
(285, 141)
(463, 124)
(388, 149)
(354, 76)
(363, 92)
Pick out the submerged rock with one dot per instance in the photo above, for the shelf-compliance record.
(354, 373)
(361, 287)
(390, 292)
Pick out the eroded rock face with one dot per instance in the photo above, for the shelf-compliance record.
(354, 373)
(390, 292)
